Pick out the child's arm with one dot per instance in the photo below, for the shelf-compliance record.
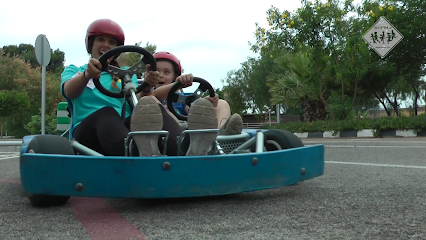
(161, 92)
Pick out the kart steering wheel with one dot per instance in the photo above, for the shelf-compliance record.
(173, 97)
(124, 74)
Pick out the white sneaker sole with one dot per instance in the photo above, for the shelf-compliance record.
(201, 116)
(147, 116)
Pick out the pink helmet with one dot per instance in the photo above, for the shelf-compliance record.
(170, 57)
(104, 27)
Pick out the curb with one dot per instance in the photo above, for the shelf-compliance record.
(366, 133)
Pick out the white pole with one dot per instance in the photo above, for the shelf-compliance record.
(43, 99)
(270, 124)
(278, 113)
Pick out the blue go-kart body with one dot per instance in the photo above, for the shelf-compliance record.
(59, 176)
(167, 177)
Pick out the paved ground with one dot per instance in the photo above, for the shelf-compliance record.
(371, 189)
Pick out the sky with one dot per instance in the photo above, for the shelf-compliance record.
(209, 37)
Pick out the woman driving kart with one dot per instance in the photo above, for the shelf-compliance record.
(97, 123)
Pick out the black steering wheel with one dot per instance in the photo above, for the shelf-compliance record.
(124, 74)
(173, 97)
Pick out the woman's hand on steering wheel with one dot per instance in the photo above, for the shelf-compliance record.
(94, 69)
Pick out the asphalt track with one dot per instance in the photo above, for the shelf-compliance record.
(371, 189)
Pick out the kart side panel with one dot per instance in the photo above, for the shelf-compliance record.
(133, 177)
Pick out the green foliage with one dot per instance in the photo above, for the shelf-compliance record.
(26, 52)
(34, 126)
(17, 75)
(236, 90)
(344, 69)
(13, 103)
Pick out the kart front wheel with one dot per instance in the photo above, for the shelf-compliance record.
(49, 144)
(278, 139)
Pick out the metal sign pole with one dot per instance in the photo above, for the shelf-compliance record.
(43, 55)
(43, 99)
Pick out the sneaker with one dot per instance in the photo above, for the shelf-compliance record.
(147, 116)
(201, 115)
(233, 126)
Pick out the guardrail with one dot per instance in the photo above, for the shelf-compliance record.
(256, 125)
(10, 146)
(10, 143)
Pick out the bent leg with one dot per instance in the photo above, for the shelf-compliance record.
(223, 112)
(103, 131)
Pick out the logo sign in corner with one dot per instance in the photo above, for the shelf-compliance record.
(382, 37)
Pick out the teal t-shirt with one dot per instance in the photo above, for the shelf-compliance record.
(91, 98)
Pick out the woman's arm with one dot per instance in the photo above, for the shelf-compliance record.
(75, 86)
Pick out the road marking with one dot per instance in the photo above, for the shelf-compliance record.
(101, 221)
(320, 140)
(377, 165)
(10, 180)
(8, 157)
(356, 146)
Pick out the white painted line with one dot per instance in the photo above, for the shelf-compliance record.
(350, 146)
(4, 158)
(399, 139)
(8, 155)
(9, 152)
(377, 165)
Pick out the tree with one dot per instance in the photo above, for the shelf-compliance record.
(316, 25)
(12, 103)
(405, 63)
(27, 53)
(18, 75)
(295, 84)
(236, 91)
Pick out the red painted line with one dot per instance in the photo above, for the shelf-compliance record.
(101, 221)
(10, 180)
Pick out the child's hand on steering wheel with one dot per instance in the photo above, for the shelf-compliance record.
(214, 100)
(151, 77)
(185, 80)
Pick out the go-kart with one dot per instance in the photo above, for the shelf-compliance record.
(55, 167)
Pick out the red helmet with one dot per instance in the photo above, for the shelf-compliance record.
(104, 27)
(170, 57)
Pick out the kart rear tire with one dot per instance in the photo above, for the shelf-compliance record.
(278, 139)
(49, 144)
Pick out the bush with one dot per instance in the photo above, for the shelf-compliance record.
(34, 127)
(416, 123)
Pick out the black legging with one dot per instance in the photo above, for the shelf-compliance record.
(103, 131)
